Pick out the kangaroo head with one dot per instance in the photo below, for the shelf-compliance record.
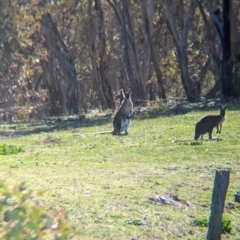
(126, 105)
(222, 111)
(127, 95)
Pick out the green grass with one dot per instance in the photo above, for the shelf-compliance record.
(9, 149)
(104, 182)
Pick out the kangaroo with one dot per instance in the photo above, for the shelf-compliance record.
(122, 117)
(207, 123)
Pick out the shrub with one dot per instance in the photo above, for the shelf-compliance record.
(9, 149)
(23, 218)
(226, 224)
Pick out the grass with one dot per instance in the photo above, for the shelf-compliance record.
(105, 182)
(5, 149)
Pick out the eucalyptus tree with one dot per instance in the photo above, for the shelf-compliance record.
(103, 58)
(220, 19)
(151, 46)
(59, 57)
(43, 58)
(132, 80)
(180, 36)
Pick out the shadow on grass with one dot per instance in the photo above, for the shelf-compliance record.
(192, 142)
(63, 123)
(50, 125)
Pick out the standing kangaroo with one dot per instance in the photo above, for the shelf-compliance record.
(122, 117)
(207, 123)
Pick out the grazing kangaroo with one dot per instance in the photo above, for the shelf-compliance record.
(207, 123)
(122, 117)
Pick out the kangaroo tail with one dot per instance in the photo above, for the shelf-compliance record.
(107, 132)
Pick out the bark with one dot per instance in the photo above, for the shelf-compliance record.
(182, 46)
(235, 51)
(227, 85)
(212, 54)
(139, 78)
(235, 43)
(127, 66)
(51, 80)
(127, 62)
(83, 97)
(203, 74)
(217, 87)
(146, 66)
(106, 86)
(236, 77)
(187, 82)
(152, 51)
(93, 55)
(56, 46)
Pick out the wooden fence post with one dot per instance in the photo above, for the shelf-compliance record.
(218, 198)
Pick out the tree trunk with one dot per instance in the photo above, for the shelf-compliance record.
(127, 62)
(212, 93)
(236, 76)
(235, 43)
(203, 74)
(52, 81)
(131, 38)
(227, 84)
(212, 52)
(182, 46)
(127, 66)
(55, 45)
(190, 90)
(106, 86)
(93, 55)
(152, 51)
